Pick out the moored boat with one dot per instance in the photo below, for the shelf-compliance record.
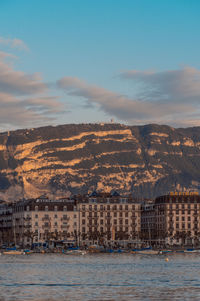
(13, 252)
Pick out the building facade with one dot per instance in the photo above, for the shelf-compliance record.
(6, 232)
(108, 218)
(43, 220)
(172, 219)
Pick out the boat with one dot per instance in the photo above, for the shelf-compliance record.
(75, 252)
(148, 252)
(145, 251)
(13, 252)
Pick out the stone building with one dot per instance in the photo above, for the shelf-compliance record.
(42, 220)
(172, 219)
(108, 218)
(6, 233)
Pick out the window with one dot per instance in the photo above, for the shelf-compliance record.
(115, 222)
(115, 214)
(83, 221)
(64, 208)
(55, 208)
(36, 208)
(74, 215)
(36, 215)
(46, 208)
(83, 229)
(36, 223)
(27, 208)
(55, 216)
(126, 221)
(126, 214)
(101, 221)
(55, 224)
(183, 218)
(188, 218)
(83, 214)
(101, 214)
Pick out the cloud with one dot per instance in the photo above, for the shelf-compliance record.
(173, 86)
(14, 43)
(24, 98)
(17, 82)
(135, 110)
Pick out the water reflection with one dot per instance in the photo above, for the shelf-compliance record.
(99, 277)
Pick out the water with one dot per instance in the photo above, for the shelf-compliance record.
(99, 277)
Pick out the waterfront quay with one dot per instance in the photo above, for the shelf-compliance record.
(106, 220)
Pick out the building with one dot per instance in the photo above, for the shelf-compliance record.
(43, 220)
(106, 218)
(6, 233)
(172, 219)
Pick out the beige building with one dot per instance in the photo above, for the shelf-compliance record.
(108, 218)
(43, 220)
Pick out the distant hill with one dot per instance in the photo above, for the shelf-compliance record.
(145, 160)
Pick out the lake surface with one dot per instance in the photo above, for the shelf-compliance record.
(121, 277)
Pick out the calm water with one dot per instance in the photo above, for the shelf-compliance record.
(99, 277)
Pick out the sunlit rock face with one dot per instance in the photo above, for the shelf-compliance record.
(145, 160)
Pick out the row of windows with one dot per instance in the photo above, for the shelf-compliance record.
(109, 207)
(115, 214)
(46, 208)
(46, 216)
(102, 229)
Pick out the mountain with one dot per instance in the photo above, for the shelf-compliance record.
(147, 161)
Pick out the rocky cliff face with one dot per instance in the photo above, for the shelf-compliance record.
(146, 160)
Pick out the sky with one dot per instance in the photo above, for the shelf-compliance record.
(72, 61)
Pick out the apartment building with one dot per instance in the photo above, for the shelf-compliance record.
(105, 217)
(42, 220)
(6, 235)
(172, 219)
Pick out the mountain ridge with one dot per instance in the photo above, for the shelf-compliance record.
(145, 161)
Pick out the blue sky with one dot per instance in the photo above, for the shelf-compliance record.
(135, 61)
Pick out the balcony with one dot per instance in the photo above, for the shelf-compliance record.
(46, 218)
(65, 219)
(46, 227)
(64, 226)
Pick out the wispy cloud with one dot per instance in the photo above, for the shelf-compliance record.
(14, 43)
(141, 109)
(173, 86)
(24, 98)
